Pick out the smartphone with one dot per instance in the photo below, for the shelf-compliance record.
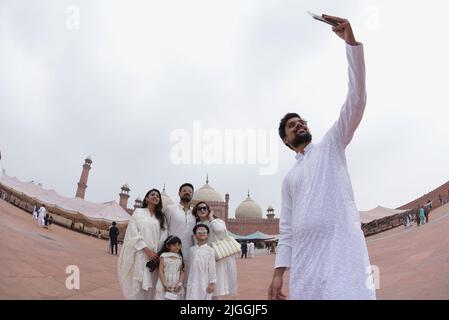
(320, 18)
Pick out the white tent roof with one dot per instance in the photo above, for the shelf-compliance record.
(76, 208)
(378, 212)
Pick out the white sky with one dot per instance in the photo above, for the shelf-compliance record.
(135, 71)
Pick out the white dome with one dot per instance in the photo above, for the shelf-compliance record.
(125, 186)
(270, 208)
(248, 209)
(166, 200)
(138, 198)
(207, 194)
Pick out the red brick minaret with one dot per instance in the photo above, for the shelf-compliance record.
(124, 196)
(82, 184)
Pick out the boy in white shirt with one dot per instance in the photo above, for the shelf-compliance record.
(202, 275)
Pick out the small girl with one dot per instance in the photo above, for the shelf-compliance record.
(171, 271)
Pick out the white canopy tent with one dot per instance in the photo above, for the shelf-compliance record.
(378, 212)
(91, 214)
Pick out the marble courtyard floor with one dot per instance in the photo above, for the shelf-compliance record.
(413, 263)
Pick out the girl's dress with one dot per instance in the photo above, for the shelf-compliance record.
(172, 271)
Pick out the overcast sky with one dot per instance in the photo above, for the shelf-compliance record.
(117, 80)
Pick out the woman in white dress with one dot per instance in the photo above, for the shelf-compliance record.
(226, 285)
(171, 271)
(144, 237)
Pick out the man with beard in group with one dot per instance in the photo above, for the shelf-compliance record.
(321, 241)
(181, 221)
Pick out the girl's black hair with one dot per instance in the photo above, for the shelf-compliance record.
(159, 214)
(172, 240)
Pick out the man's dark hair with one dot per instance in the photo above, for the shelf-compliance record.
(200, 225)
(186, 185)
(114, 223)
(283, 123)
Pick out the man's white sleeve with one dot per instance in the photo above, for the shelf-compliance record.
(284, 253)
(352, 110)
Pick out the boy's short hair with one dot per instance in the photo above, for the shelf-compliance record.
(199, 226)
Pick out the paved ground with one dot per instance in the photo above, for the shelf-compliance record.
(414, 263)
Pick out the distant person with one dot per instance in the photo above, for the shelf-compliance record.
(35, 212)
(244, 249)
(49, 221)
(41, 216)
(441, 199)
(422, 215)
(251, 250)
(202, 271)
(113, 237)
(406, 221)
(417, 216)
(171, 271)
(144, 237)
(426, 214)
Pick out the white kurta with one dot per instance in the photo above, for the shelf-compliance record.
(143, 231)
(226, 268)
(201, 272)
(41, 217)
(251, 249)
(321, 240)
(180, 224)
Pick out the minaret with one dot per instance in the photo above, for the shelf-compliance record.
(138, 203)
(270, 212)
(227, 207)
(82, 184)
(124, 196)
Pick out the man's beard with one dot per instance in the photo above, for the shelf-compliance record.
(301, 139)
(186, 198)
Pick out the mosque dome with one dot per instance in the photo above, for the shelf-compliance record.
(248, 209)
(207, 193)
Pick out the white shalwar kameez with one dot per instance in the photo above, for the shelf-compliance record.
(226, 268)
(41, 217)
(251, 249)
(180, 224)
(135, 278)
(201, 272)
(321, 240)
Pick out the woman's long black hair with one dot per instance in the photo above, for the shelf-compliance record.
(159, 214)
(172, 240)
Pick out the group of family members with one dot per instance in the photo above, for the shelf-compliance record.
(167, 253)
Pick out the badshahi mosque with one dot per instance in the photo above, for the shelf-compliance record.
(249, 215)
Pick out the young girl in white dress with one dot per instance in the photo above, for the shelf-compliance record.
(171, 271)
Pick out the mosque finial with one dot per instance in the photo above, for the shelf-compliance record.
(248, 193)
(163, 190)
(207, 178)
